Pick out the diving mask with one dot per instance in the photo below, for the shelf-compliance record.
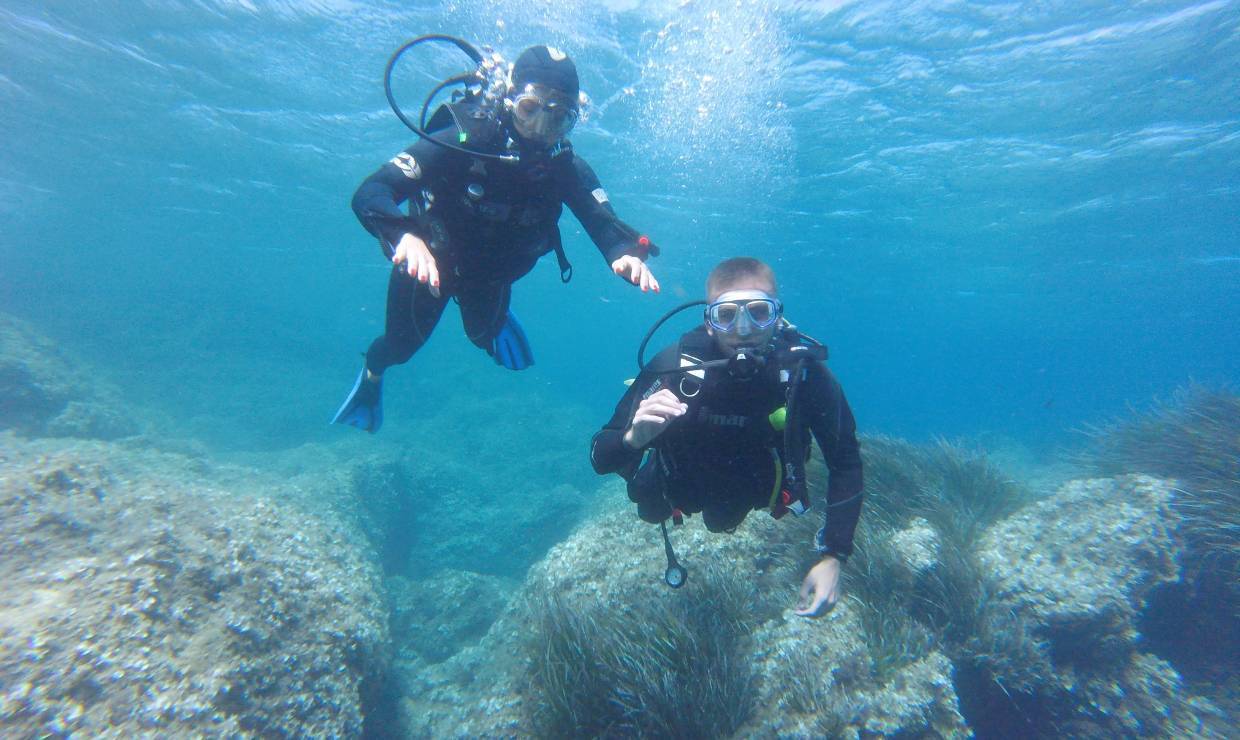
(743, 311)
(544, 114)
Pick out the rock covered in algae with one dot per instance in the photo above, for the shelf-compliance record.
(43, 394)
(1081, 566)
(613, 565)
(918, 545)
(141, 599)
(1086, 558)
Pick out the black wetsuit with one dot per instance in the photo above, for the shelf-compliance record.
(721, 457)
(487, 222)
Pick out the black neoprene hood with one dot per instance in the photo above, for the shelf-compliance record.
(542, 65)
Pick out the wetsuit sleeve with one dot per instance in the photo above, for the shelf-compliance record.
(588, 202)
(608, 452)
(831, 421)
(378, 199)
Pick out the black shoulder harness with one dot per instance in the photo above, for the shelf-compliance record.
(476, 127)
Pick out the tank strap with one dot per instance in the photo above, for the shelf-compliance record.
(566, 267)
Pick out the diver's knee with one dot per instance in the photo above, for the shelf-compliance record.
(482, 341)
(727, 520)
(653, 511)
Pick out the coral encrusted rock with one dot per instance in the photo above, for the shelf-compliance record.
(140, 599)
(1080, 567)
(1083, 561)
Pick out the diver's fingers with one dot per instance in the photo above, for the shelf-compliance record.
(823, 601)
(643, 417)
(666, 395)
(627, 267)
(664, 402)
(648, 279)
(652, 415)
(410, 258)
(662, 414)
(432, 271)
(809, 604)
(424, 268)
(409, 250)
(807, 588)
(814, 609)
(665, 407)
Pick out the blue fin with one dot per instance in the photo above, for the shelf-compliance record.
(364, 406)
(510, 347)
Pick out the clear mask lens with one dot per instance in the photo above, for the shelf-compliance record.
(545, 115)
(725, 316)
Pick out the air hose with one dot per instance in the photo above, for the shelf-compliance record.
(483, 75)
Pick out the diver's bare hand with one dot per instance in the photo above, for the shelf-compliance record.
(636, 272)
(419, 262)
(651, 418)
(820, 589)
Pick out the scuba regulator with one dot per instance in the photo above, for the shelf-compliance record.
(486, 84)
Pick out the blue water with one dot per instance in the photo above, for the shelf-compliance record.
(1004, 219)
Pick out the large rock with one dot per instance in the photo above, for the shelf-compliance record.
(1079, 568)
(817, 682)
(1084, 560)
(141, 599)
(43, 394)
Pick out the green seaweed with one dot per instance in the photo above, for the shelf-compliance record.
(959, 492)
(663, 668)
(1193, 438)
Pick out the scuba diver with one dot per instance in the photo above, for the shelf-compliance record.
(485, 185)
(716, 424)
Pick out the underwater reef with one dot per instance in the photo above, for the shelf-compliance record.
(973, 607)
(351, 590)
